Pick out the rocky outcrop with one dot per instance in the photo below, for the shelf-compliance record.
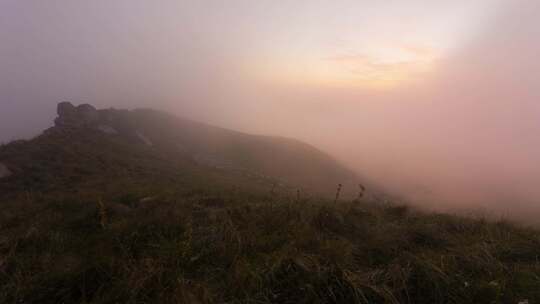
(109, 121)
(66, 109)
(4, 171)
(87, 113)
(74, 117)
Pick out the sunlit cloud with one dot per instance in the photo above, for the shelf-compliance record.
(400, 66)
(383, 68)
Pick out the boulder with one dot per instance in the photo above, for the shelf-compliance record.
(74, 117)
(65, 108)
(87, 113)
(67, 115)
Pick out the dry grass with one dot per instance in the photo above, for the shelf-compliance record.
(239, 249)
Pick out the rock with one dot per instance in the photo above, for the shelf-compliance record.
(75, 117)
(4, 171)
(87, 113)
(67, 115)
(107, 129)
(65, 109)
(144, 138)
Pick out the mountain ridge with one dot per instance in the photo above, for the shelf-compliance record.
(278, 160)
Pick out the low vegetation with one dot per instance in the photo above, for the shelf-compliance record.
(237, 248)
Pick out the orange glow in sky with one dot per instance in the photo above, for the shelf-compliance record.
(382, 69)
(371, 46)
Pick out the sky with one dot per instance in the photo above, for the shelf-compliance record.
(437, 100)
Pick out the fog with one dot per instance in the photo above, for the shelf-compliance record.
(457, 127)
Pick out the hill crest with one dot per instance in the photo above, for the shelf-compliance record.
(277, 160)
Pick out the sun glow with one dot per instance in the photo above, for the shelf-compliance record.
(382, 68)
(372, 46)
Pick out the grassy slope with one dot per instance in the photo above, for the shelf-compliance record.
(73, 229)
(291, 161)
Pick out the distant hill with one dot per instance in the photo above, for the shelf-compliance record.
(87, 142)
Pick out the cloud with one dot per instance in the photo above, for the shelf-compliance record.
(405, 64)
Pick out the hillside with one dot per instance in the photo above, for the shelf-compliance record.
(148, 137)
(115, 206)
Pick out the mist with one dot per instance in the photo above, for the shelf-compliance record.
(455, 129)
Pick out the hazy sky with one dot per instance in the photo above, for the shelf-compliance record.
(437, 99)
